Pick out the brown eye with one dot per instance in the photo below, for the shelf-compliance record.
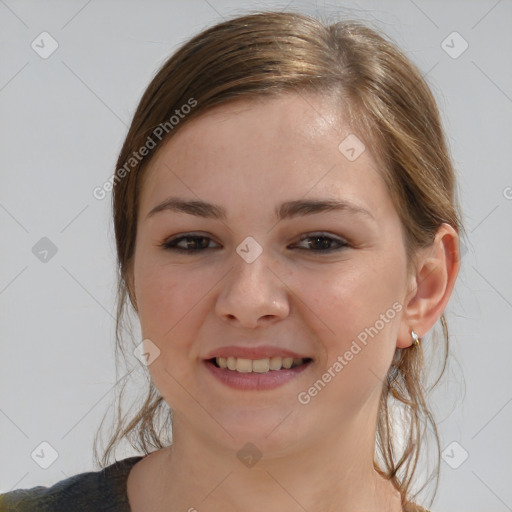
(188, 243)
(323, 243)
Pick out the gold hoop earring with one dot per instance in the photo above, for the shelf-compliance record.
(415, 339)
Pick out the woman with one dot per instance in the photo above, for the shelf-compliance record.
(287, 232)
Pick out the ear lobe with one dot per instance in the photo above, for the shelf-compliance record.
(431, 286)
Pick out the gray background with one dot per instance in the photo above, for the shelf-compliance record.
(63, 120)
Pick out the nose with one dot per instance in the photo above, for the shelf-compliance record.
(252, 294)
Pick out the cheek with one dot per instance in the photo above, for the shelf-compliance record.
(358, 310)
(358, 304)
(166, 298)
(169, 302)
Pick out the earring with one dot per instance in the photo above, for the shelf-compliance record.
(415, 338)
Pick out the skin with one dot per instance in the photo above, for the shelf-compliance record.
(249, 158)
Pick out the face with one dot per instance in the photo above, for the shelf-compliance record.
(322, 284)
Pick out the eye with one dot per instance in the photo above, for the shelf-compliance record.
(320, 242)
(188, 243)
(316, 242)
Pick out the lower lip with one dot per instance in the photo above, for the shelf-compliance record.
(255, 381)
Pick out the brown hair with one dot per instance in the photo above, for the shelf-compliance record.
(391, 109)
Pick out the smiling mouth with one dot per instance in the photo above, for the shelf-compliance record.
(265, 365)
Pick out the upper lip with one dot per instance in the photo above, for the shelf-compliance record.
(261, 352)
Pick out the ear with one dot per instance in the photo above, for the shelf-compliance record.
(431, 285)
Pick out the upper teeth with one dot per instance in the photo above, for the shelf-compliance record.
(257, 365)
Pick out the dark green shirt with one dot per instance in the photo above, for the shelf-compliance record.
(103, 490)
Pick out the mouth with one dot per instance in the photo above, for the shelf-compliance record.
(261, 366)
(257, 368)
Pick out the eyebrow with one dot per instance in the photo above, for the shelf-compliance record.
(287, 210)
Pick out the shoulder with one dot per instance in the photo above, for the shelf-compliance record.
(95, 490)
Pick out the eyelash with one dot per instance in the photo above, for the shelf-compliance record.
(171, 244)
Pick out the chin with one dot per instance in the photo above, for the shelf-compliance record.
(272, 432)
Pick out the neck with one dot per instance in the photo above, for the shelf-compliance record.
(331, 474)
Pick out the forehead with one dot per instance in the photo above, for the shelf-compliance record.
(266, 151)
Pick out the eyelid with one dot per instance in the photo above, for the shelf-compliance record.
(323, 234)
(175, 239)
(342, 242)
